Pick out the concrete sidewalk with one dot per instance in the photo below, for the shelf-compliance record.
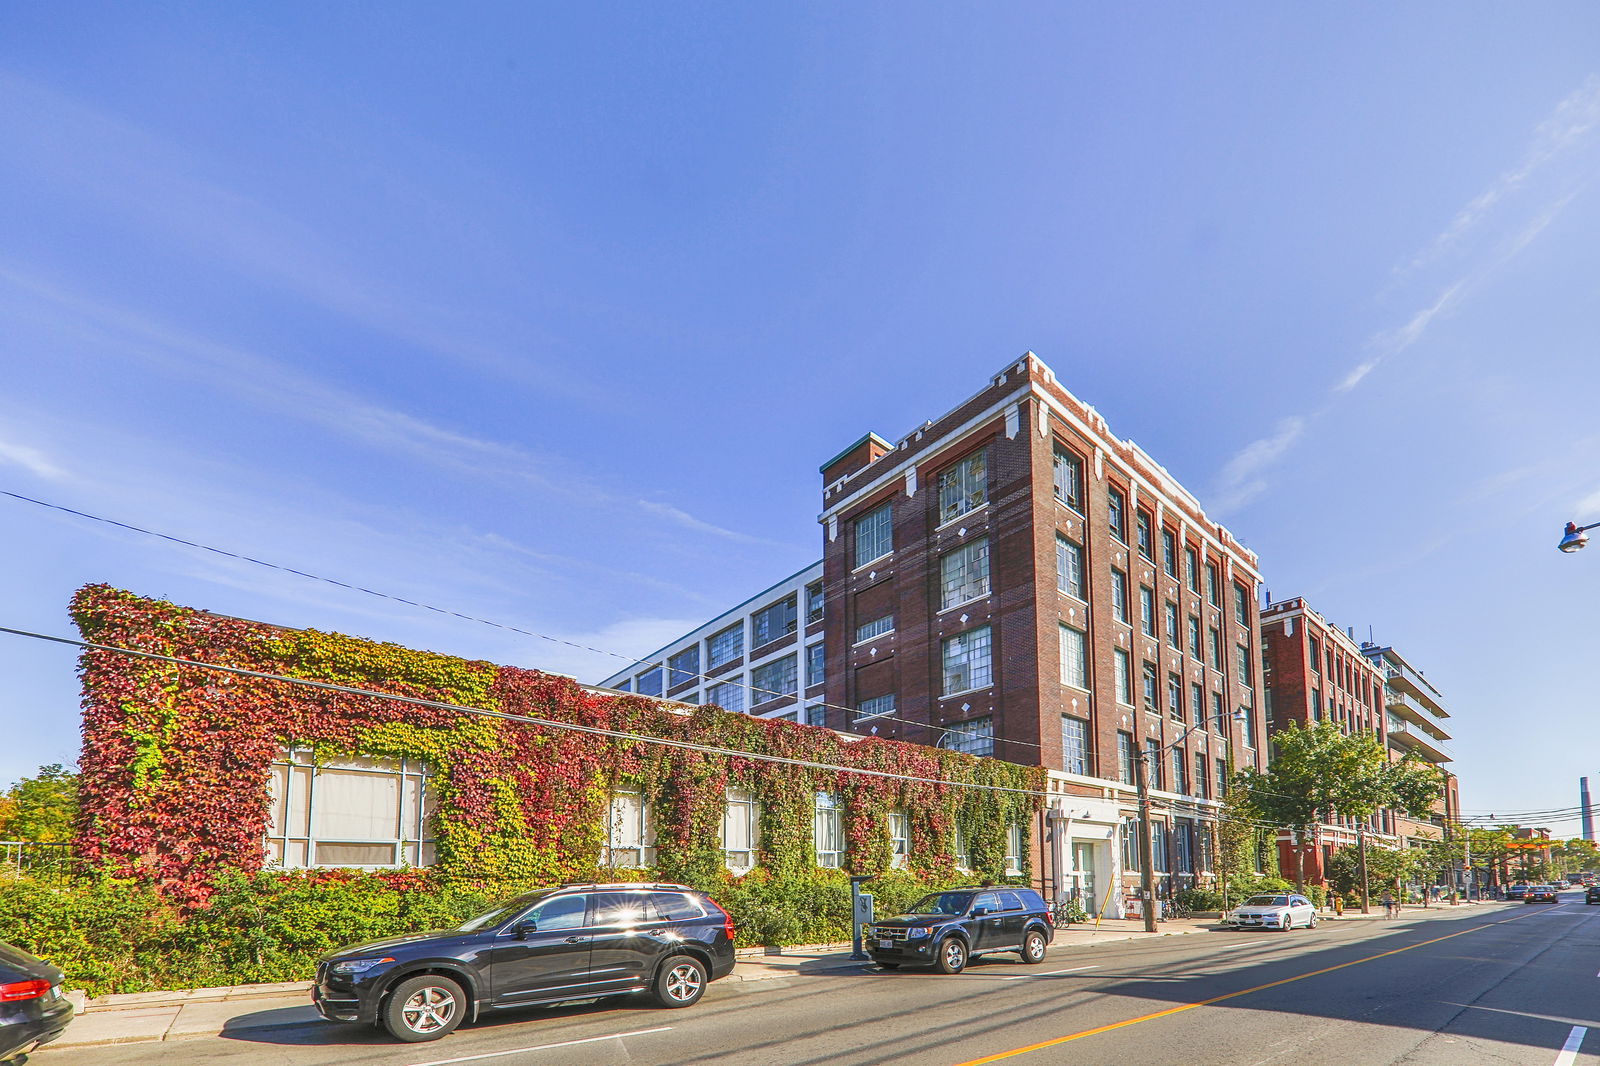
(197, 1012)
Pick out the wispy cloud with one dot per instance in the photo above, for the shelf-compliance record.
(31, 459)
(1588, 507)
(689, 521)
(1241, 479)
(1392, 342)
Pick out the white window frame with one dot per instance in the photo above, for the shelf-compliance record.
(967, 661)
(1074, 644)
(295, 815)
(827, 827)
(899, 839)
(1069, 568)
(630, 831)
(741, 814)
(878, 627)
(876, 707)
(964, 574)
(964, 486)
(1015, 844)
(878, 527)
(1076, 759)
(1122, 666)
(1070, 493)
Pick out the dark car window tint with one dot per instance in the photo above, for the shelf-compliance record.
(943, 903)
(988, 900)
(1031, 900)
(501, 914)
(1010, 901)
(563, 912)
(622, 908)
(675, 906)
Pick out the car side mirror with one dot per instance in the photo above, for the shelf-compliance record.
(523, 928)
(979, 912)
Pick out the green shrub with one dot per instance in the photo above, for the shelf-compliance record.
(1199, 899)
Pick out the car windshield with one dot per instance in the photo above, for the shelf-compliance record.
(502, 913)
(1267, 901)
(943, 903)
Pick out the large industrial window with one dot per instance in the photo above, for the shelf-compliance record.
(772, 680)
(975, 736)
(362, 812)
(684, 667)
(1074, 658)
(874, 535)
(1069, 479)
(1069, 567)
(774, 621)
(963, 487)
(729, 695)
(1074, 745)
(964, 574)
(725, 646)
(966, 661)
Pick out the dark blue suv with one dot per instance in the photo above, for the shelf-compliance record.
(558, 944)
(946, 930)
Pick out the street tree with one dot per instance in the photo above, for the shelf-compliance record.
(41, 808)
(1321, 773)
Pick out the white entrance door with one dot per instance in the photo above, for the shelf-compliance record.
(1083, 862)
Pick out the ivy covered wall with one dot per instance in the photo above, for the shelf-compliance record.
(174, 785)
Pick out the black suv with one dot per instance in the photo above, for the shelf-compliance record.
(551, 946)
(1591, 894)
(946, 930)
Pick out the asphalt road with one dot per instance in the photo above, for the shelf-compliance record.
(1502, 984)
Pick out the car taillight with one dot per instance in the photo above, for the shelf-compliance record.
(15, 990)
(727, 919)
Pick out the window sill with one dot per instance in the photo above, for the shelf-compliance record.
(962, 517)
(873, 639)
(966, 691)
(870, 563)
(964, 603)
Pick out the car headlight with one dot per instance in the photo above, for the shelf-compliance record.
(355, 966)
(918, 932)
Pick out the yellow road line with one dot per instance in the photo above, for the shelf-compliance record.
(1231, 995)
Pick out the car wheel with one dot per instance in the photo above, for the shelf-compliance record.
(952, 956)
(1288, 923)
(1033, 946)
(425, 1007)
(680, 982)
(1311, 922)
(888, 965)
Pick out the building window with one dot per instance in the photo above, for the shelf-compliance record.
(1169, 553)
(689, 697)
(963, 487)
(729, 695)
(363, 812)
(774, 679)
(648, 683)
(1124, 668)
(1316, 654)
(816, 714)
(1141, 523)
(1194, 636)
(1158, 847)
(1175, 697)
(1316, 705)
(1249, 725)
(1152, 761)
(899, 839)
(875, 628)
(1147, 610)
(1016, 847)
(967, 661)
(1191, 568)
(1129, 837)
(740, 829)
(1069, 478)
(1216, 713)
(961, 841)
(1180, 776)
(1183, 838)
(813, 604)
(726, 646)
(1074, 745)
(1243, 654)
(771, 623)
(1119, 595)
(1125, 758)
(964, 574)
(828, 828)
(684, 667)
(1241, 604)
(1216, 647)
(631, 839)
(1201, 781)
(1117, 512)
(1222, 779)
(877, 705)
(1171, 610)
(874, 535)
(816, 664)
(1197, 702)
(1152, 699)
(1213, 585)
(974, 736)
(1074, 658)
(1069, 567)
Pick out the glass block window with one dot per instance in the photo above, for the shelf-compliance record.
(828, 830)
(774, 679)
(963, 487)
(362, 812)
(1069, 478)
(964, 574)
(1124, 670)
(725, 646)
(684, 667)
(1074, 745)
(876, 628)
(1069, 567)
(899, 839)
(816, 664)
(1074, 658)
(774, 621)
(874, 535)
(877, 705)
(631, 838)
(648, 683)
(740, 830)
(975, 736)
(1117, 512)
(729, 695)
(967, 661)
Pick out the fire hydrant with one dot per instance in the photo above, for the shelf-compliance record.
(1338, 906)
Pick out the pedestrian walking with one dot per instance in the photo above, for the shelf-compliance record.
(1388, 905)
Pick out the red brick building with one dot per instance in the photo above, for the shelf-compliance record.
(1011, 579)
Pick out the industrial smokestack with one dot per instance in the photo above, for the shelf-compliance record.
(1588, 812)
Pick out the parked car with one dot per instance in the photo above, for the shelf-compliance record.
(33, 1009)
(1278, 911)
(947, 930)
(554, 945)
(1541, 894)
(1517, 891)
(1591, 894)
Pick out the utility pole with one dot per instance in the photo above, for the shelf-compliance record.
(1361, 839)
(1147, 877)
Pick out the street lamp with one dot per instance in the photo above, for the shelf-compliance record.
(1147, 876)
(1576, 537)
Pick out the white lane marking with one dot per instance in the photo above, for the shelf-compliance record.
(543, 1047)
(1049, 973)
(1569, 1050)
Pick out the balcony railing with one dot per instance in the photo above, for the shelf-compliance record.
(1408, 735)
(1410, 707)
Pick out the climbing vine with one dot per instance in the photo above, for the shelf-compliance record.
(175, 785)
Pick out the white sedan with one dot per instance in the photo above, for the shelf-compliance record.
(1273, 912)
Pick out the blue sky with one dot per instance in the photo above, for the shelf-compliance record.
(548, 316)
